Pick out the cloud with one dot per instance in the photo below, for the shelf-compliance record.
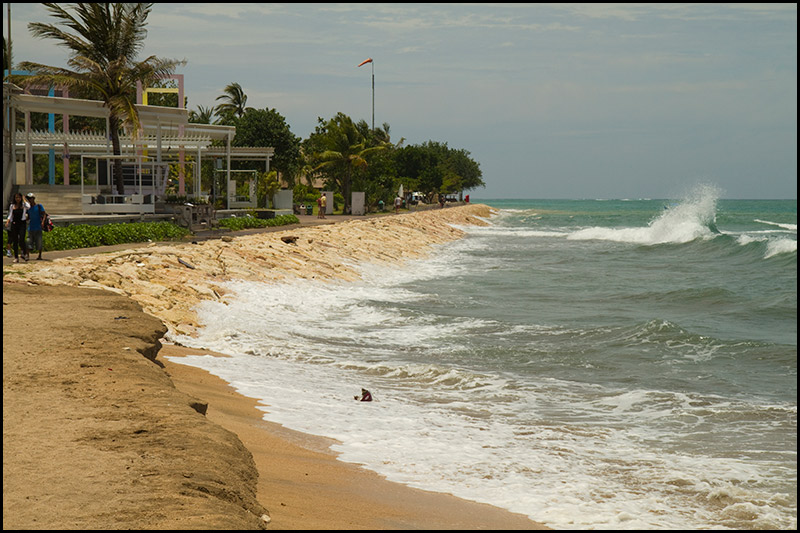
(568, 89)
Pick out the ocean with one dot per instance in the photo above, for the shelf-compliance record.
(592, 364)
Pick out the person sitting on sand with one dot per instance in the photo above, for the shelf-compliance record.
(365, 396)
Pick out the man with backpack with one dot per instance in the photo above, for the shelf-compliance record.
(36, 216)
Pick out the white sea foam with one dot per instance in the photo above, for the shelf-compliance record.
(567, 475)
(571, 452)
(789, 227)
(495, 231)
(689, 220)
(571, 455)
(774, 245)
(781, 246)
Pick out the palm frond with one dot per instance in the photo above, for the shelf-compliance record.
(103, 41)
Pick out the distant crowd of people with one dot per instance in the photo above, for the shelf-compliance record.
(25, 224)
(414, 199)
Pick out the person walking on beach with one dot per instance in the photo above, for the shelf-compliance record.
(323, 203)
(16, 223)
(36, 214)
(397, 202)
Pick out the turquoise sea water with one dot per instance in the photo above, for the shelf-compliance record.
(599, 364)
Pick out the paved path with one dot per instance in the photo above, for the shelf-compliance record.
(305, 221)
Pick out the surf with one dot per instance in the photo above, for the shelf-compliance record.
(688, 220)
(514, 365)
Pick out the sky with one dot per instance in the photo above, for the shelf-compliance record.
(552, 100)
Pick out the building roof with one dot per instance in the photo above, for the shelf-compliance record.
(167, 127)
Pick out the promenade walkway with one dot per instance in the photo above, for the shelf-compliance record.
(305, 221)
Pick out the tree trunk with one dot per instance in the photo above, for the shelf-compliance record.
(119, 179)
(346, 192)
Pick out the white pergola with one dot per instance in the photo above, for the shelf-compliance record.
(165, 132)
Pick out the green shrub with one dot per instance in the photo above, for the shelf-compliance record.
(237, 224)
(86, 236)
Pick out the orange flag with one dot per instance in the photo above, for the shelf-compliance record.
(369, 60)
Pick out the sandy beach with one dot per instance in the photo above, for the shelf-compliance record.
(101, 430)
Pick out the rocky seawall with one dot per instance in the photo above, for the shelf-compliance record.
(170, 280)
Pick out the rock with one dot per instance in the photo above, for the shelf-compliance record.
(289, 239)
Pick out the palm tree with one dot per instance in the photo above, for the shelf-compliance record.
(203, 115)
(103, 45)
(234, 102)
(6, 56)
(345, 151)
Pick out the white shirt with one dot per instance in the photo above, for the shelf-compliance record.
(25, 207)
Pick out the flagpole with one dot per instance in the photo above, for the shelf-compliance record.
(369, 60)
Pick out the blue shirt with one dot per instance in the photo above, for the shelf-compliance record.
(35, 215)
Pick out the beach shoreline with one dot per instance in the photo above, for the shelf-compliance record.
(72, 370)
(345, 496)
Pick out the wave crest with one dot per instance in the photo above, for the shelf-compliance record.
(691, 219)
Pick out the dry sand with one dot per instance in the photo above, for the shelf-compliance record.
(100, 431)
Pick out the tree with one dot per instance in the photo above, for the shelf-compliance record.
(203, 115)
(267, 185)
(378, 180)
(341, 151)
(103, 44)
(6, 55)
(466, 170)
(267, 127)
(433, 167)
(234, 104)
(382, 135)
(415, 165)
